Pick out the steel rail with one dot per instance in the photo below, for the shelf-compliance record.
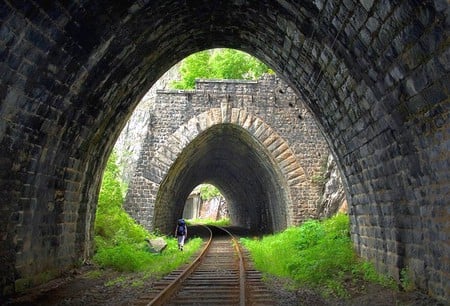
(173, 287)
(242, 286)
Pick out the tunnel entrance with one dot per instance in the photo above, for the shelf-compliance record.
(374, 74)
(230, 158)
(262, 108)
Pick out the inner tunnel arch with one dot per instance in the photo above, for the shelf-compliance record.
(221, 147)
(222, 156)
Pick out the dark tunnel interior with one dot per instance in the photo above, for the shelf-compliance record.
(228, 157)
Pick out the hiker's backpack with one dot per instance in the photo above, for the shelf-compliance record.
(181, 229)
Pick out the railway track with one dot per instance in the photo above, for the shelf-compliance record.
(221, 275)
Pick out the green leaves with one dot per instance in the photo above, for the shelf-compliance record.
(234, 64)
(194, 67)
(318, 254)
(219, 64)
(208, 192)
(119, 239)
(112, 224)
(311, 254)
(309, 234)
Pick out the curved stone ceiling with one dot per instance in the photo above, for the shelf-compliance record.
(373, 73)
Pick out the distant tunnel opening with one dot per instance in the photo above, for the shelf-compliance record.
(228, 157)
(206, 203)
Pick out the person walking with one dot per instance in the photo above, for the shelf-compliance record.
(181, 233)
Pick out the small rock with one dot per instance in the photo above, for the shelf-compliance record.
(156, 245)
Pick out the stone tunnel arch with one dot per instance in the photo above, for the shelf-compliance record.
(375, 74)
(253, 167)
(269, 100)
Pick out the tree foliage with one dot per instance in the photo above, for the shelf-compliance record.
(112, 224)
(208, 192)
(219, 64)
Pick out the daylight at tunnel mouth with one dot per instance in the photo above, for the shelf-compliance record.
(228, 157)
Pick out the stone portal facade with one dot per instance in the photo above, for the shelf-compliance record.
(295, 147)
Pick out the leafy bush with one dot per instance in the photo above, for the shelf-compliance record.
(112, 224)
(119, 239)
(406, 280)
(366, 270)
(132, 258)
(123, 257)
(316, 254)
(208, 192)
(309, 234)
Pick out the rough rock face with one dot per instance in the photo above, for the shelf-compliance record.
(130, 141)
(215, 208)
(333, 198)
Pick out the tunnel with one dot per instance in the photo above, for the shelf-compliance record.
(228, 157)
(374, 73)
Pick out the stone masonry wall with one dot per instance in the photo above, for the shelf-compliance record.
(269, 99)
(128, 145)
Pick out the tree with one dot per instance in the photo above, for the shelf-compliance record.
(219, 64)
(207, 192)
(194, 66)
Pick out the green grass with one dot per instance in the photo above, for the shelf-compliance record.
(135, 257)
(208, 221)
(119, 240)
(94, 274)
(315, 254)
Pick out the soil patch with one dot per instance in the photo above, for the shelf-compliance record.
(361, 293)
(87, 286)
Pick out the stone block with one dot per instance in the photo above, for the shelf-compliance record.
(156, 245)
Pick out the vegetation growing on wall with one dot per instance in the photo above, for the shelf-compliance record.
(321, 177)
(120, 240)
(219, 64)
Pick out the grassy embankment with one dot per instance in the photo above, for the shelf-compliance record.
(221, 222)
(318, 255)
(120, 241)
